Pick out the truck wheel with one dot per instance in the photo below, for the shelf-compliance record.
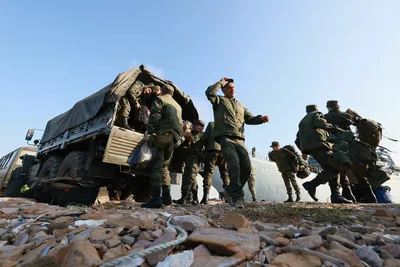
(73, 165)
(141, 188)
(15, 184)
(50, 167)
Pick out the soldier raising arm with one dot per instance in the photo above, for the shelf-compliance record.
(230, 116)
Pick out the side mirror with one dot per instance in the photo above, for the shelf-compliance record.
(36, 142)
(29, 134)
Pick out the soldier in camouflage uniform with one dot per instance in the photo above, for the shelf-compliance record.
(343, 120)
(252, 182)
(230, 116)
(288, 164)
(312, 140)
(163, 131)
(131, 98)
(213, 158)
(195, 143)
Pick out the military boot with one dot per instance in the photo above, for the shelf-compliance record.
(368, 195)
(184, 197)
(298, 198)
(166, 195)
(290, 199)
(155, 201)
(204, 200)
(348, 194)
(125, 124)
(336, 197)
(311, 188)
(195, 200)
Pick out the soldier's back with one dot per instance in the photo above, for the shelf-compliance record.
(342, 119)
(171, 114)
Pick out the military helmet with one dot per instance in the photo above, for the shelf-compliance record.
(332, 104)
(310, 108)
(275, 143)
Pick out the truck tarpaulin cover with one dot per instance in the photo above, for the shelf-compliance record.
(88, 107)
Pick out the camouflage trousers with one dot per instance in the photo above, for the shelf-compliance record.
(125, 107)
(252, 181)
(215, 158)
(289, 177)
(239, 166)
(321, 155)
(159, 172)
(189, 177)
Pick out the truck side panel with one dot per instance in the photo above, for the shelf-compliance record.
(120, 145)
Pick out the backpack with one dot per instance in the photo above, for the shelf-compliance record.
(370, 132)
(290, 152)
(362, 153)
(340, 161)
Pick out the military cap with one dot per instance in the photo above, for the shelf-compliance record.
(332, 104)
(275, 143)
(310, 108)
(200, 122)
(167, 88)
(226, 82)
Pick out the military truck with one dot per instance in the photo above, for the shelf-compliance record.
(84, 147)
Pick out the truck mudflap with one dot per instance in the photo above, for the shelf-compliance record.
(120, 145)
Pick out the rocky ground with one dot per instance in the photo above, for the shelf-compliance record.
(262, 234)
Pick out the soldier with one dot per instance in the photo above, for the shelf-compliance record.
(230, 116)
(189, 180)
(213, 158)
(163, 131)
(127, 100)
(252, 182)
(311, 139)
(253, 152)
(343, 120)
(287, 160)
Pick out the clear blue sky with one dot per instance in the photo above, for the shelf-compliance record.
(283, 55)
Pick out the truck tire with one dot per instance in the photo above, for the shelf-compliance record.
(50, 167)
(73, 165)
(15, 184)
(141, 186)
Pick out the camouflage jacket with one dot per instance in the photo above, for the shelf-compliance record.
(229, 114)
(342, 119)
(165, 117)
(209, 138)
(286, 158)
(195, 143)
(313, 132)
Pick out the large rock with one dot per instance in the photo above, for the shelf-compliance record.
(114, 253)
(392, 249)
(189, 222)
(368, 255)
(81, 253)
(349, 257)
(328, 231)
(160, 255)
(296, 260)
(212, 261)
(344, 241)
(264, 226)
(235, 220)
(226, 242)
(100, 235)
(310, 242)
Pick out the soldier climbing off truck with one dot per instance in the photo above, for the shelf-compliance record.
(87, 147)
